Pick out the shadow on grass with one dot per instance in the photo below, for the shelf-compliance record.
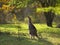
(8, 39)
(54, 35)
(44, 42)
(58, 44)
(51, 34)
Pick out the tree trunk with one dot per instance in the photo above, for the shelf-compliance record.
(49, 17)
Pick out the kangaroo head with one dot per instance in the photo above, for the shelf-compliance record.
(29, 18)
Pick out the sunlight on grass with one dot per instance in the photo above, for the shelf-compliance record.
(50, 35)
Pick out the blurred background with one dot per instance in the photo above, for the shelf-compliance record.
(15, 11)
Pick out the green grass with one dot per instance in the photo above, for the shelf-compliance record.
(50, 36)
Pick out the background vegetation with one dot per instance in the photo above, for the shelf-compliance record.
(13, 10)
(14, 22)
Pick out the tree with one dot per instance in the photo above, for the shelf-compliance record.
(47, 3)
(2, 17)
(48, 15)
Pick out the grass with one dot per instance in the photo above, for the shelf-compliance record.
(10, 36)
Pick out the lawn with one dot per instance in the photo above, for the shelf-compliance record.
(9, 35)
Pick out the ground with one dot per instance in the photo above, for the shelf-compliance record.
(10, 36)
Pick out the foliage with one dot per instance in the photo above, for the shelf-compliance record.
(19, 3)
(23, 5)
